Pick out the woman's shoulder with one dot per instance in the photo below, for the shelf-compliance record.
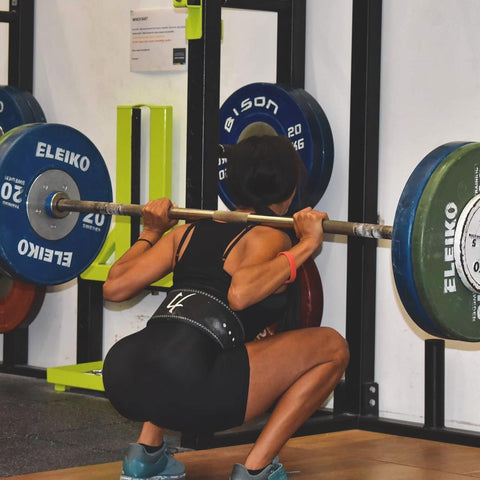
(178, 232)
(270, 235)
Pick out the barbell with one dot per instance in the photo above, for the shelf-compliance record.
(56, 206)
(59, 205)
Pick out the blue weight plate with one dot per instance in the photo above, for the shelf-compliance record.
(20, 108)
(21, 99)
(319, 177)
(325, 154)
(271, 105)
(303, 197)
(28, 154)
(34, 106)
(14, 111)
(402, 236)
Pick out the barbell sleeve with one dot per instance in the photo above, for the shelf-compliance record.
(365, 230)
(60, 204)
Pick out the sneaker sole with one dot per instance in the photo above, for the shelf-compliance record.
(156, 477)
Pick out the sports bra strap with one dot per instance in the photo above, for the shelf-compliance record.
(236, 239)
(182, 241)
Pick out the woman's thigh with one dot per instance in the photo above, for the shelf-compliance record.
(278, 361)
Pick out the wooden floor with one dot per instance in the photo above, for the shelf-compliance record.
(350, 455)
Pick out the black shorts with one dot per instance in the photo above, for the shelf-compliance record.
(176, 377)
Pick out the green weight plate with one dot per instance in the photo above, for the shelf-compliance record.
(454, 310)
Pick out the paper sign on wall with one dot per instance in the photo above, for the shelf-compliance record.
(157, 40)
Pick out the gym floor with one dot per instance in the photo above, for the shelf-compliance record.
(42, 430)
(347, 455)
(73, 435)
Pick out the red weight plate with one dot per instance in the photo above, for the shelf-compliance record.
(19, 303)
(311, 289)
(311, 299)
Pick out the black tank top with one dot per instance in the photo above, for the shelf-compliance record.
(201, 267)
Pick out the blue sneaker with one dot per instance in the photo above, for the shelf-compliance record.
(138, 464)
(274, 471)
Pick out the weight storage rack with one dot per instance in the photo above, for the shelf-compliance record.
(20, 20)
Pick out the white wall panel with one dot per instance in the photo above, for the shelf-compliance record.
(430, 95)
(327, 78)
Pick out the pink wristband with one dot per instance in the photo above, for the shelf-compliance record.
(293, 268)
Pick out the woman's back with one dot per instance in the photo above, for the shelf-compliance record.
(200, 264)
(201, 255)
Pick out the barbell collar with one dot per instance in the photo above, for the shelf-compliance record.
(60, 204)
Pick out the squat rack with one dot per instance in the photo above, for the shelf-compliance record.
(356, 399)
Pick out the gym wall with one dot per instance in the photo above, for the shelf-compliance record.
(429, 96)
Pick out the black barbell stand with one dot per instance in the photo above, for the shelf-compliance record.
(203, 98)
(20, 19)
(434, 384)
(362, 204)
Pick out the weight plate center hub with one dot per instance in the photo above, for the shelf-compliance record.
(46, 184)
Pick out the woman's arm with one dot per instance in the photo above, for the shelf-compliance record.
(143, 264)
(260, 272)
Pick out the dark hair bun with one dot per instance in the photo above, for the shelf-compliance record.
(263, 170)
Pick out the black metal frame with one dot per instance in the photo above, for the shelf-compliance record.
(357, 398)
(362, 204)
(204, 86)
(20, 54)
(20, 18)
(202, 110)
